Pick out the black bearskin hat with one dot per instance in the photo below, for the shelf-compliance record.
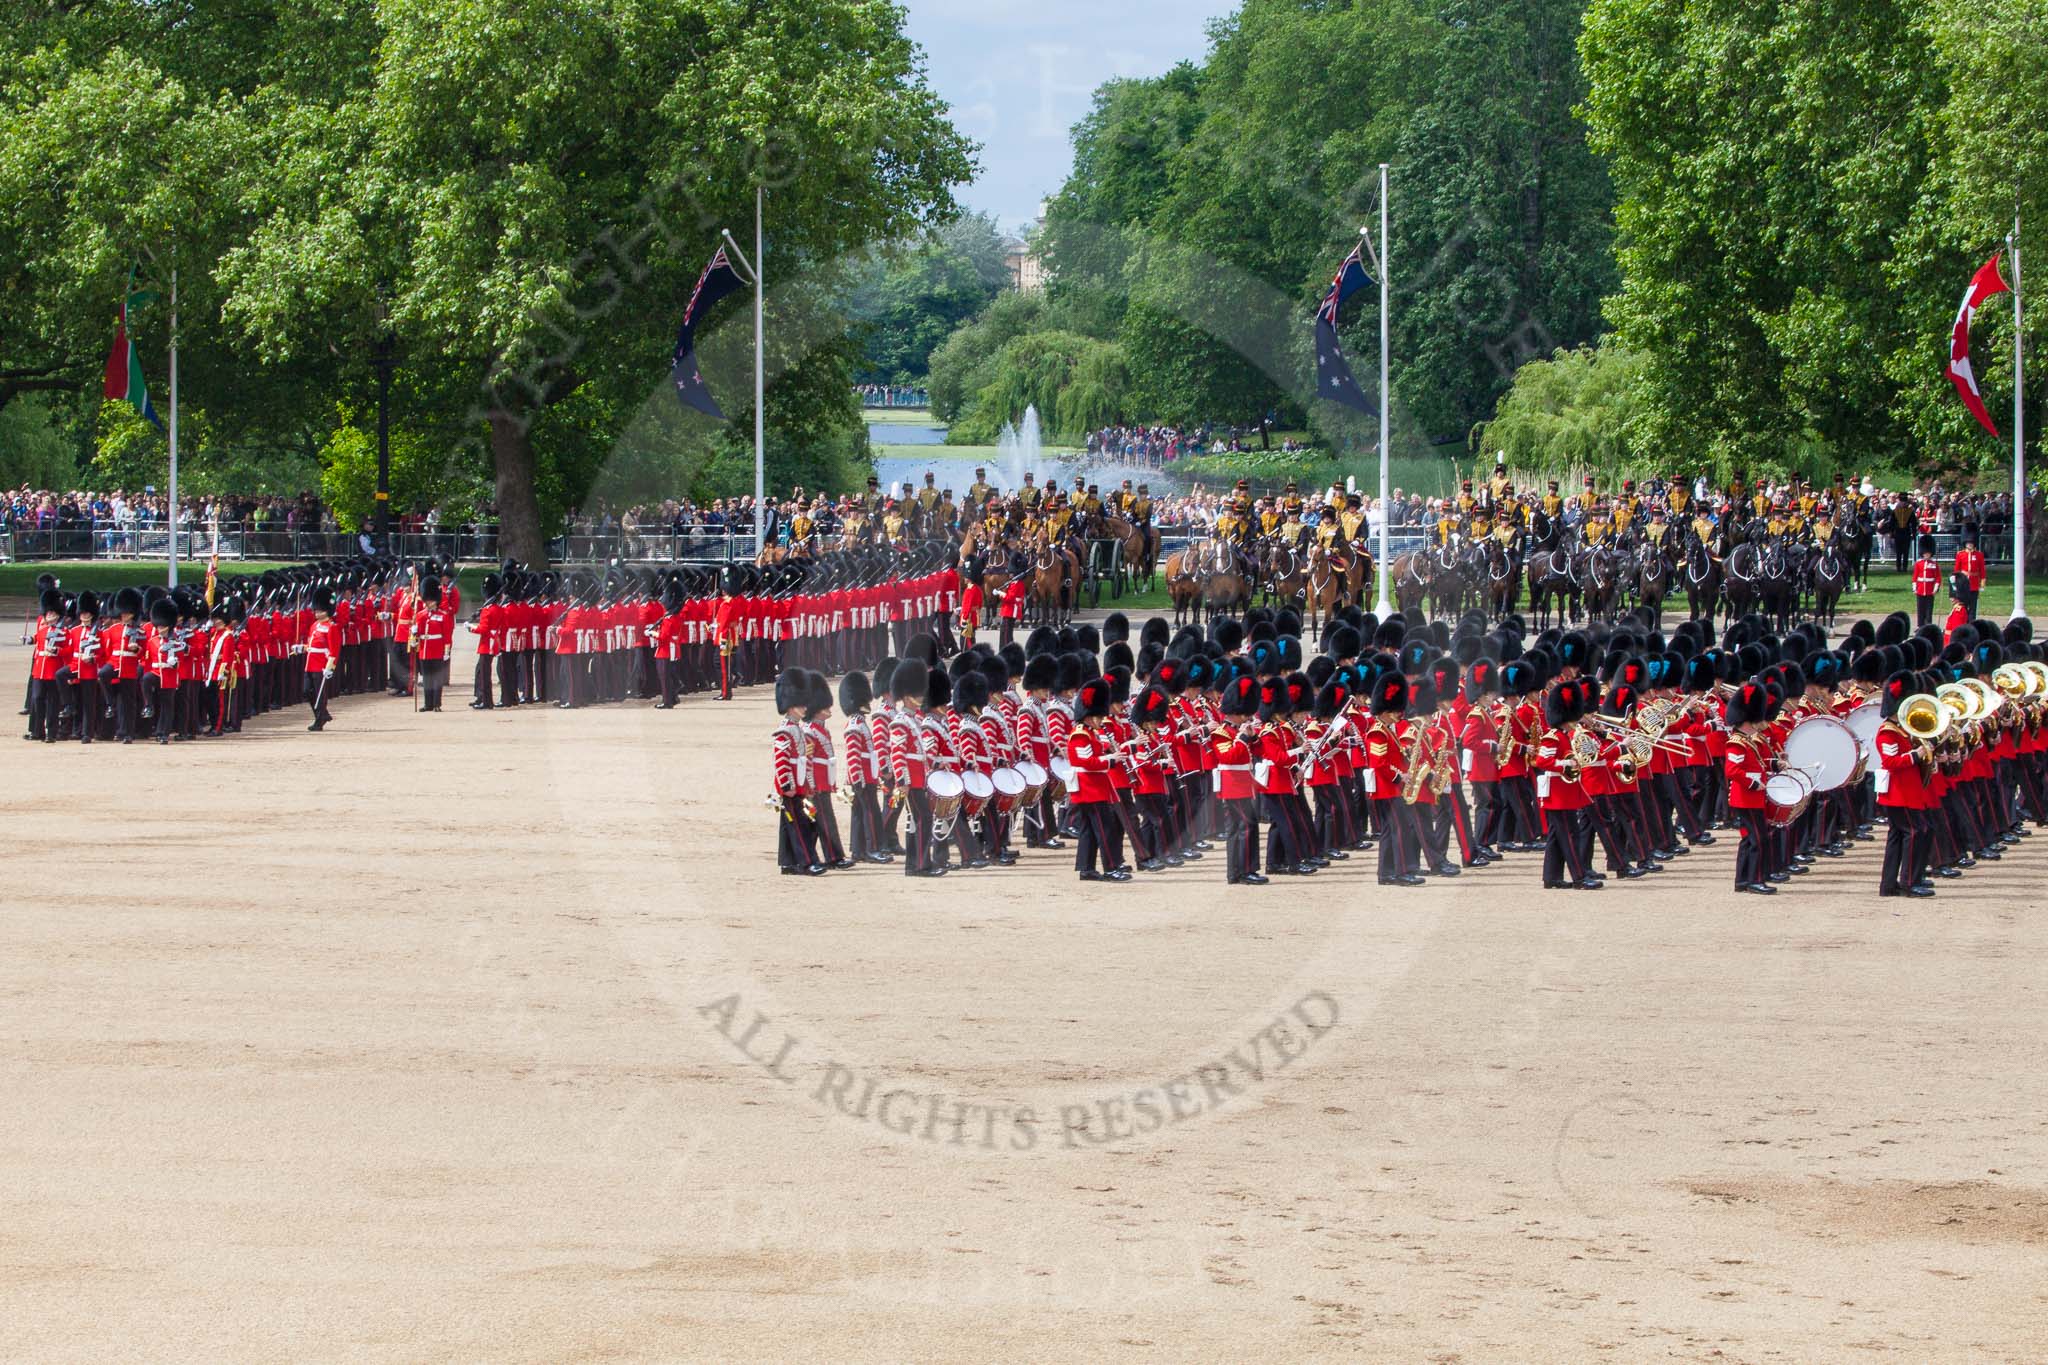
(1092, 701)
(792, 690)
(1150, 706)
(1389, 694)
(1041, 671)
(970, 692)
(855, 694)
(908, 682)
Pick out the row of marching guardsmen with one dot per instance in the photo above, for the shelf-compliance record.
(1446, 749)
(182, 663)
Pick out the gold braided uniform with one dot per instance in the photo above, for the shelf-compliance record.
(1029, 495)
(1552, 505)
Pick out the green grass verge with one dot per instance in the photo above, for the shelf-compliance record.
(907, 417)
(1889, 592)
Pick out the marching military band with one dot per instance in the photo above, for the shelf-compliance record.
(1611, 750)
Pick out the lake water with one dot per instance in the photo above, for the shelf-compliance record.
(904, 434)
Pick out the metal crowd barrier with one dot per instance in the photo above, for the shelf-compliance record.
(259, 541)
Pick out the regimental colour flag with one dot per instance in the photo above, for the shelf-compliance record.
(718, 280)
(124, 373)
(1333, 371)
(1985, 284)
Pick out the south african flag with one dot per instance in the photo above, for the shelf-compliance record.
(124, 372)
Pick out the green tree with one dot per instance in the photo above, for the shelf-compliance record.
(532, 188)
(912, 297)
(1770, 156)
(1574, 410)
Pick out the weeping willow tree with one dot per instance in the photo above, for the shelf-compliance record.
(1077, 383)
(1575, 410)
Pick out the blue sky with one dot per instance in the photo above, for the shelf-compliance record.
(1020, 73)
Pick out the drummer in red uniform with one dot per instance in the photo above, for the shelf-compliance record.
(1235, 792)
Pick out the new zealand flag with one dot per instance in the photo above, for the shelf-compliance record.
(1333, 371)
(718, 280)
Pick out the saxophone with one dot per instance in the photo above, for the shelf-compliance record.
(1418, 767)
(1504, 744)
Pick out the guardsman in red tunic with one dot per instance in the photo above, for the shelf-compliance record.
(433, 640)
(1478, 747)
(323, 656)
(911, 767)
(1748, 768)
(795, 844)
(46, 661)
(865, 758)
(1386, 760)
(121, 651)
(489, 629)
(1235, 792)
(1904, 794)
(1101, 834)
(82, 653)
(160, 649)
(820, 782)
(1567, 809)
(1926, 582)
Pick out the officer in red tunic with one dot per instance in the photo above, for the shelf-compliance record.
(1567, 809)
(1097, 852)
(726, 628)
(323, 656)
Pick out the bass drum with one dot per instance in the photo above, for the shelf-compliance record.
(1786, 796)
(1010, 789)
(1825, 750)
(1863, 723)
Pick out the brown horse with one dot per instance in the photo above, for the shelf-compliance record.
(1226, 579)
(1183, 585)
(1413, 572)
(1054, 576)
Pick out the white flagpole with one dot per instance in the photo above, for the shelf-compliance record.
(1384, 606)
(174, 429)
(760, 264)
(2019, 433)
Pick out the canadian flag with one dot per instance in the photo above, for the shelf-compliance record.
(1986, 283)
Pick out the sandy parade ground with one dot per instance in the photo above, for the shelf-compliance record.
(497, 1037)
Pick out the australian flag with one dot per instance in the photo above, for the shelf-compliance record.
(1333, 371)
(718, 280)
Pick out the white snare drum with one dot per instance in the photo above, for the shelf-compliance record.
(1010, 789)
(981, 789)
(1035, 779)
(1062, 778)
(1786, 795)
(946, 791)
